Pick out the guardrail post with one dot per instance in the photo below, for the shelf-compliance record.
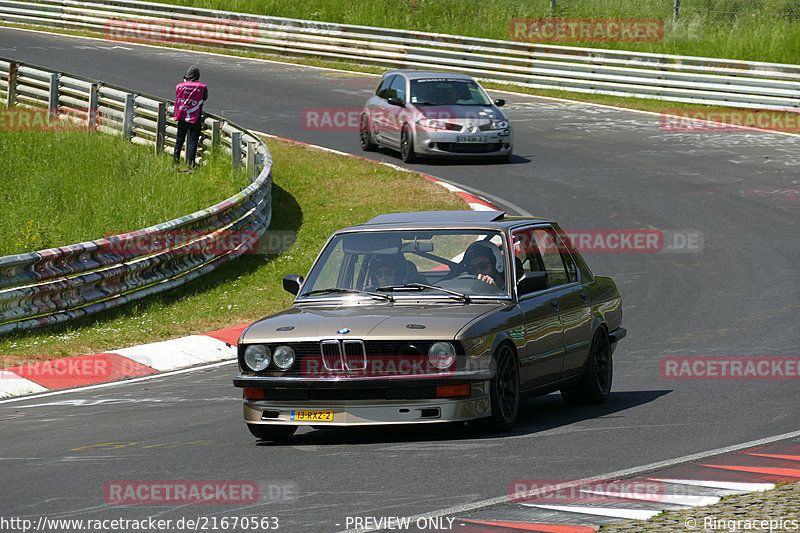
(216, 138)
(127, 118)
(676, 10)
(11, 96)
(52, 99)
(236, 149)
(161, 127)
(251, 158)
(94, 91)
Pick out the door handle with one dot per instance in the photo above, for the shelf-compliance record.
(554, 303)
(584, 297)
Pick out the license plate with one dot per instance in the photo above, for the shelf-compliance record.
(471, 139)
(312, 416)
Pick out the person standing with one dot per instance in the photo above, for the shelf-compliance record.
(189, 98)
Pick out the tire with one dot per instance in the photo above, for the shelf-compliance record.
(407, 145)
(595, 384)
(271, 432)
(365, 135)
(504, 389)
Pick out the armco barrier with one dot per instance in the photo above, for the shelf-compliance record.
(60, 284)
(677, 78)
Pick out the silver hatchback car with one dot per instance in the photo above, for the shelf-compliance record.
(433, 114)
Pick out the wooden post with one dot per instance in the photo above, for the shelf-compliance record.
(93, 117)
(11, 96)
(251, 158)
(161, 127)
(236, 149)
(216, 139)
(127, 118)
(52, 99)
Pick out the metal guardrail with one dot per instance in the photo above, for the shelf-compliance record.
(60, 284)
(668, 77)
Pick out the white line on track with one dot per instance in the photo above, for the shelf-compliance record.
(35, 397)
(628, 472)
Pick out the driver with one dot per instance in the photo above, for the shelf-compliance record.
(484, 261)
(387, 270)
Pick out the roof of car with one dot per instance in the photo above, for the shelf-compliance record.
(450, 218)
(422, 74)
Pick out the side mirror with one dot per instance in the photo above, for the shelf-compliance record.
(393, 100)
(532, 282)
(292, 283)
(499, 102)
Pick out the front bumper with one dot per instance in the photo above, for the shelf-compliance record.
(446, 143)
(370, 412)
(364, 401)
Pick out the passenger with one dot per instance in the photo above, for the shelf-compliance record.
(483, 260)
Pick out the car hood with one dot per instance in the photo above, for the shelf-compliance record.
(376, 322)
(463, 112)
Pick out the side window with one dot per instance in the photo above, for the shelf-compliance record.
(398, 88)
(542, 250)
(383, 88)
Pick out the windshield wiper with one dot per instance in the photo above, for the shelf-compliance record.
(337, 290)
(421, 286)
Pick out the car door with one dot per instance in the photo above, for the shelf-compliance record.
(377, 107)
(542, 353)
(393, 120)
(573, 304)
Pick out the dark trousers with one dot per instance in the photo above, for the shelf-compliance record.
(194, 138)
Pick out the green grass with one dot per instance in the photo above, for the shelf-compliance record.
(758, 31)
(314, 193)
(48, 199)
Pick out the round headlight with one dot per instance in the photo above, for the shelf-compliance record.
(257, 357)
(283, 357)
(441, 354)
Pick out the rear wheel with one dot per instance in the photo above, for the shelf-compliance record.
(595, 384)
(271, 432)
(504, 389)
(407, 145)
(365, 135)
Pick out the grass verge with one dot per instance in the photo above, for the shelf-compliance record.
(314, 193)
(49, 202)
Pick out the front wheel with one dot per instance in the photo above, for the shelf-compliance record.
(407, 145)
(271, 432)
(595, 384)
(504, 389)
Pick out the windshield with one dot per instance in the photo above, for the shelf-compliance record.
(441, 91)
(452, 264)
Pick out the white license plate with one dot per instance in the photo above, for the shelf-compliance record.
(471, 139)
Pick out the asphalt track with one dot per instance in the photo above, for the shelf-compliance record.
(588, 168)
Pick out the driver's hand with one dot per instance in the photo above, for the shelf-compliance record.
(486, 279)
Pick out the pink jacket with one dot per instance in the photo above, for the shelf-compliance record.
(189, 98)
